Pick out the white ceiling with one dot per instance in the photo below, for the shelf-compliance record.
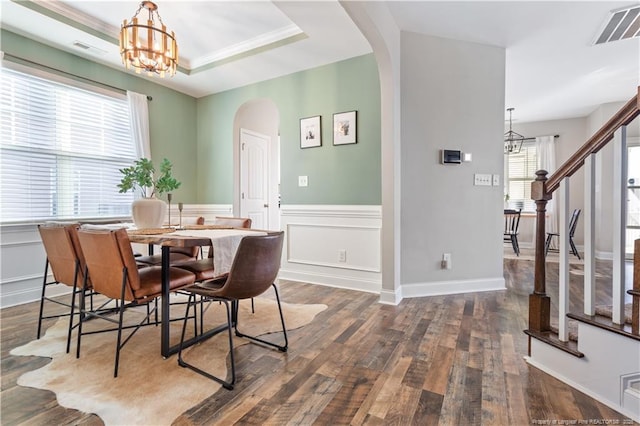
(552, 69)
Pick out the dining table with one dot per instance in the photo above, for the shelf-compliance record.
(224, 242)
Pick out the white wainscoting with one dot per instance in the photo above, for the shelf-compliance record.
(23, 261)
(23, 258)
(315, 237)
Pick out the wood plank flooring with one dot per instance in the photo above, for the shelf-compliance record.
(448, 360)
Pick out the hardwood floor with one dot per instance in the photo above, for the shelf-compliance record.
(449, 360)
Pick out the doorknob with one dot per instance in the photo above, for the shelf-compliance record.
(266, 205)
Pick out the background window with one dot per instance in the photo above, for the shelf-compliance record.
(60, 150)
(520, 170)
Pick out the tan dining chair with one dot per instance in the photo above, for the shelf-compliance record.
(203, 268)
(66, 262)
(113, 271)
(177, 255)
(235, 222)
(254, 269)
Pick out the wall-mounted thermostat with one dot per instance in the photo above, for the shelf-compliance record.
(450, 156)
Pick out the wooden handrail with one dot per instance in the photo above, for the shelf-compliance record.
(541, 192)
(623, 117)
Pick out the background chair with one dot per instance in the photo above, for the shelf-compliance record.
(203, 268)
(511, 225)
(113, 271)
(236, 222)
(572, 229)
(177, 254)
(254, 270)
(66, 261)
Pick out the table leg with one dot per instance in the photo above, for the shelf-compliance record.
(165, 318)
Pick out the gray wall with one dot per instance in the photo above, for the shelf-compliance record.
(604, 175)
(453, 98)
(573, 134)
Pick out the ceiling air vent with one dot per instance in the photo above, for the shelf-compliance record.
(624, 23)
(88, 48)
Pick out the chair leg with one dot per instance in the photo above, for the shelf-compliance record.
(44, 286)
(183, 363)
(82, 315)
(119, 339)
(73, 306)
(281, 348)
(547, 244)
(514, 243)
(574, 250)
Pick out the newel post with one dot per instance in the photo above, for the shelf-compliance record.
(539, 302)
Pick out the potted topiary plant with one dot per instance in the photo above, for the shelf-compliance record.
(148, 211)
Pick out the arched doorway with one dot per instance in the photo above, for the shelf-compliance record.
(256, 159)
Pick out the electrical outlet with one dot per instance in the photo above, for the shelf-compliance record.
(303, 181)
(446, 261)
(342, 256)
(496, 180)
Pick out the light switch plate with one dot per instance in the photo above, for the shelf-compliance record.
(480, 179)
(303, 181)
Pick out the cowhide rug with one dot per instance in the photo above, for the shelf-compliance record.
(149, 390)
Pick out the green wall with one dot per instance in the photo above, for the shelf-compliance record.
(346, 174)
(172, 115)
(197, 135)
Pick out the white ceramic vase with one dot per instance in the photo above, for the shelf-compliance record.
(148, 213)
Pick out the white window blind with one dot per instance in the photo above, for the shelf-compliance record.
(61, 148)
(521, 171)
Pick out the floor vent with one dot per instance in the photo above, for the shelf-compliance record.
(622, 24)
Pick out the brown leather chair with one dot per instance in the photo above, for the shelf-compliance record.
(177, 255)
(66, 261)
(255, 268)
(114, 274)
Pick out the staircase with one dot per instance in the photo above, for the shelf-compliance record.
(602, 357)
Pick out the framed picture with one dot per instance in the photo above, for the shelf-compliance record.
(344, 128)
(310, 132)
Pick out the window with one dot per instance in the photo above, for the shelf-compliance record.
(61, 148)
(520, 170)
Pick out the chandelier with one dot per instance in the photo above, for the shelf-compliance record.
(512, 140)
(147, 45)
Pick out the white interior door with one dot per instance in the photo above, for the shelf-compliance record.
(254, 178)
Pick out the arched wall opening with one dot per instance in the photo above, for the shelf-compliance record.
(260, 116)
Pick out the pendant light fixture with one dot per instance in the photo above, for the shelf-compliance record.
(146, 45)
(512, 140)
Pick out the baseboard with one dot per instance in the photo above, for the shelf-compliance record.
(331, 280)
(582, 389)
(30, 294)
(388, 297)
(437, 288)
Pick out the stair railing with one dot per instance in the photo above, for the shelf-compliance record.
(541, 192)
